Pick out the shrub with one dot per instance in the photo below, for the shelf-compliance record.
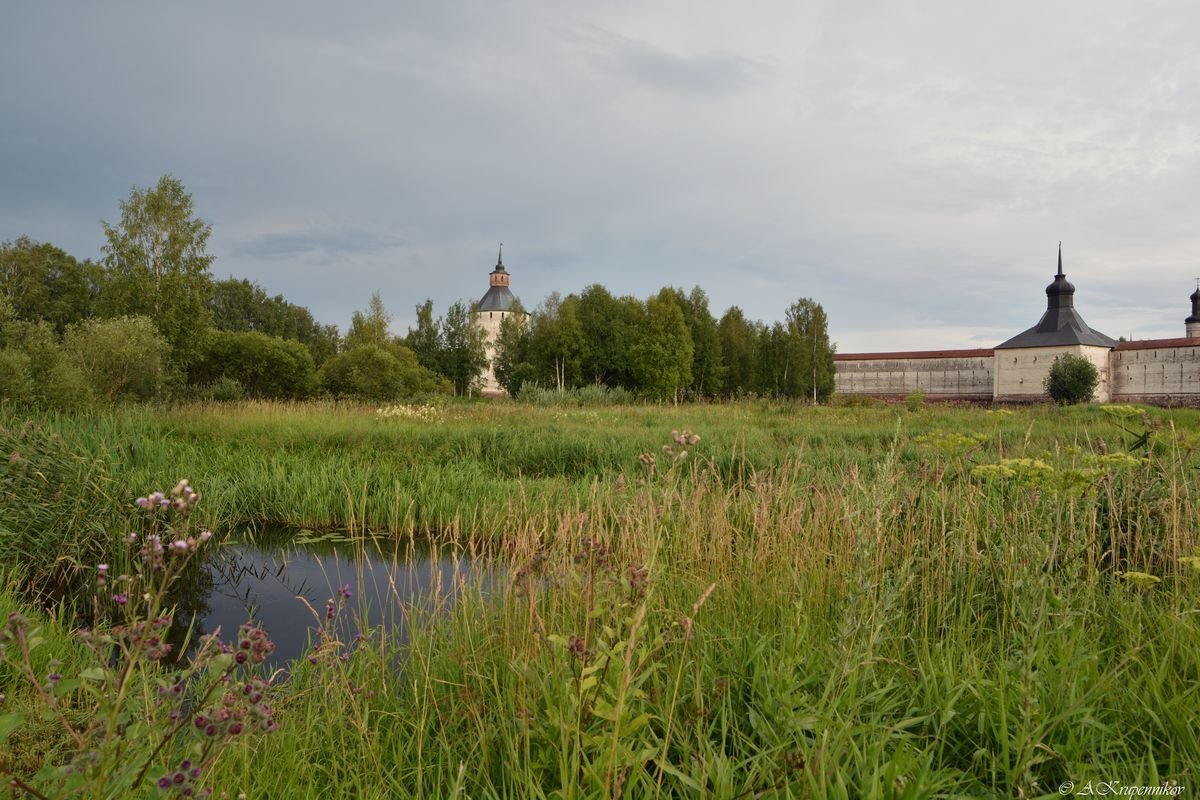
(253, 364)
(122, 358)
(16, 379)
(372, 372)
(222, 390)
(1072, 379)
(263, 366)
(65, 386)
(915, 400)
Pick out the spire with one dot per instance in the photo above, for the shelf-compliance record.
(1193, 322)
(1060, 272)
(500, 258)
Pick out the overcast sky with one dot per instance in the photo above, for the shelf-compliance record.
(910, 166)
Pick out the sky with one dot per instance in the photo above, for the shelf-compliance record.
(910, 166)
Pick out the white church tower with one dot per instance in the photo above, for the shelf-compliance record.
(495, 306)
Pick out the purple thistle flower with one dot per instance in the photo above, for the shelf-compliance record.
(345, 592)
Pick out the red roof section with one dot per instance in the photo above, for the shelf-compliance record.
(1155, 344)
(985, 352)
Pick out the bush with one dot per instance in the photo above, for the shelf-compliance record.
(915, 400)
(263, 366)
(222, 390)
(16, 378)
(1072, 379)
(372, 372)
(122, 358)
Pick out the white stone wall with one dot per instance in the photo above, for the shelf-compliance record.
(490, 322)
(1169, 371)
(940, 376)
(1020, 372)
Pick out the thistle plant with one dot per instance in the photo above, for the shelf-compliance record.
(133, 716)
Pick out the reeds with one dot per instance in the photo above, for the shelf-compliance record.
(814, 603)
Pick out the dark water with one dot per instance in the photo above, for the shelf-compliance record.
(264, 580)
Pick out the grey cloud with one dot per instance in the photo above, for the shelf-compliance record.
(707, 73)
(295, 244)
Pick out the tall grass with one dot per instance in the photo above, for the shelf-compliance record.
(834, 603)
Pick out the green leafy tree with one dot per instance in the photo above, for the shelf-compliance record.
(605, 324)
(1072, 379)
(240, 305)
(157, 265)
(661, 354)
(464, 353)
(510, 359)
(556, 341)
(771, 359)
(425, 340)
(123, 358)
(45, 283)
(708, 367)
(809, 369)
(371, 326)
(738, 338)
(264, 366)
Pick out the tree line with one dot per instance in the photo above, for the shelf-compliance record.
(147, 320)
(667, 347)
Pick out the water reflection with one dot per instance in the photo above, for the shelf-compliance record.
(264, 579)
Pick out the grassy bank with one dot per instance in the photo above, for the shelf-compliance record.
(813, 603)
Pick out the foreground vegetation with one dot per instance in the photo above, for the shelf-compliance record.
(812, 602)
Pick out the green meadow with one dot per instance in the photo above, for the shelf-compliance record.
(803, 601)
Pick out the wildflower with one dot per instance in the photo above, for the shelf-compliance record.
(1142, 579)
(344, 592)
(205, 535)
(120, 599)
(102, 569)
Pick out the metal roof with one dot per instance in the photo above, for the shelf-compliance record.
(911, 354)
(1061, 324)
(498, 298)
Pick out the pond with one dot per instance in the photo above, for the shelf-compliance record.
(271, 576)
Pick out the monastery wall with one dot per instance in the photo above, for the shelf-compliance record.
(1157, 371)
(940, 374)
(1020, 371)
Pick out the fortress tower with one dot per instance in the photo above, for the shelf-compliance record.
(493, 308)
(1193, 322)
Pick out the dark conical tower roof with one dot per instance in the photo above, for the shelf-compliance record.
(498, 297)
(1061, 324)
(1195, 317)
